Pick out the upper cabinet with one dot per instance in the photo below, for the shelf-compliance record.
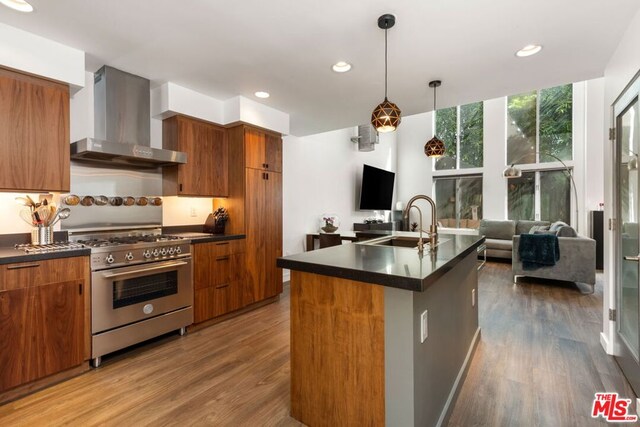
(263, 150)
(206, 171)
(34, 133)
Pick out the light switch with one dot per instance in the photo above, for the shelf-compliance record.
(424, 326)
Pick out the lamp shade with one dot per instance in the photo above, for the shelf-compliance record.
(386, 116)
(512, 172)
(434, 148)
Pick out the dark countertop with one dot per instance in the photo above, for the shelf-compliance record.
(395, 267)
(9, 255)
(197, 237)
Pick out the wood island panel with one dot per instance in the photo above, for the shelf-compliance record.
(337, 351)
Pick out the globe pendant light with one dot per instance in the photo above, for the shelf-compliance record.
(386, 116)
(434, 147)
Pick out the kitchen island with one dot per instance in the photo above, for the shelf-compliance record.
(358, 352)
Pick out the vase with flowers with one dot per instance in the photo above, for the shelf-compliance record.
(329, 223)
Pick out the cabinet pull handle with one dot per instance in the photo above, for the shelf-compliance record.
(266, 165)
(80, 288)
(18, 267)
(223, 243)
(222, 258)
(226, 285)
(267, 176)
(180, 188)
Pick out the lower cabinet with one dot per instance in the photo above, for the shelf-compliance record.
(219, 275)
(42, 319)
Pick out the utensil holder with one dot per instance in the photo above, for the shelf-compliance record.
(42, 235)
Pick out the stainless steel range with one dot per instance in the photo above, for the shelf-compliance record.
(141, 287)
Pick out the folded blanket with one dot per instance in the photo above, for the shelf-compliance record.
(538, 250)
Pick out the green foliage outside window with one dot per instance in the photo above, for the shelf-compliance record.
(469, 136)
(446, 129)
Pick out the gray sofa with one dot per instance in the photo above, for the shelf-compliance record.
(577, 261)
(499, 235)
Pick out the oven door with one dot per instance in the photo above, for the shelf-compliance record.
(128, 294)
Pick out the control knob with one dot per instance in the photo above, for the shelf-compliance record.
(178, 250)
(156, 253)
(109, 259)
(146, 254)
(128, 256)
(172, 251)
(163, 251)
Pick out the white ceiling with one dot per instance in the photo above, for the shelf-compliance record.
(287, 47)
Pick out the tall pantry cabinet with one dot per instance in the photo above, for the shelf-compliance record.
(255, 206)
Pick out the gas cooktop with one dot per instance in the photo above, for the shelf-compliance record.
(128, 240)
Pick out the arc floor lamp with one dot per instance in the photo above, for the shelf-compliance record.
(515, 172)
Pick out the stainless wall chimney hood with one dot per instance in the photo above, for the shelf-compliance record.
(122, 120)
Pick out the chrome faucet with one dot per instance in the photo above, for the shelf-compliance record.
(433, 230)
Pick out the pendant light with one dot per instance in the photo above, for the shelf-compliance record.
(434, 147)
(386, 116)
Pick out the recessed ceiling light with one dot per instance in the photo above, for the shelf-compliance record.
(261, 94)
(19, 5)
(528, 50)
(341, 67)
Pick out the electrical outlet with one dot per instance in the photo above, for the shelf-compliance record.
(424, 326)
(193, 211)
(473, 298)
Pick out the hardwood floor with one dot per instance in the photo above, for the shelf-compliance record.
(539, 362)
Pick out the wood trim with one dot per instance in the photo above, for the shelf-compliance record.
(23, 390)
(337, 351)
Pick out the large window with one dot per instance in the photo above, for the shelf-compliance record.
(459, 201)
(540, 195)
(540, 122)
(461, 130)
(540, 130)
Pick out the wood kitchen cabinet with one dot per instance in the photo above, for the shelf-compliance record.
(206, 171)
(255, 207)
(263, 150)
(44, 316)
(34, 133)
(264, 234)
(219, 274)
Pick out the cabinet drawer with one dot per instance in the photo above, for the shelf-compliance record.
(227, 268)
(217, 300)
(36, 273)
(228, 247)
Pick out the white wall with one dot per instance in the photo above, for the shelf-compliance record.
(623, 65)
(40, 56)
(320, 175)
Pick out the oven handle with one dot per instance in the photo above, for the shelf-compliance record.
(144, 270)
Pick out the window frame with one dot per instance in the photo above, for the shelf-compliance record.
(457, 178)
(458, 169)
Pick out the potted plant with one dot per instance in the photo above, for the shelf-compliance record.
(329, 223)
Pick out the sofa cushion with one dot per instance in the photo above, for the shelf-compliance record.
(524, 226)
(505, 245)
(493, 229)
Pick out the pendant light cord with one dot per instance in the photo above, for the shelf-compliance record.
(385, 63)
(434, 98)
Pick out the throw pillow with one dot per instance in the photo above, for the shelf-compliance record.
(566, 231)
(556, 225)
(538, 228)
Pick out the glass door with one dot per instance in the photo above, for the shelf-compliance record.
(627, 124)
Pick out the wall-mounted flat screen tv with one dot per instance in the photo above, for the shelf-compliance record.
(376, 193)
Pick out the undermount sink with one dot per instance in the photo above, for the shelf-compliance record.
(398, 241)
